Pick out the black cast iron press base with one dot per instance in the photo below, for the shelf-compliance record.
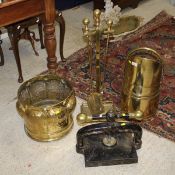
(109, 143)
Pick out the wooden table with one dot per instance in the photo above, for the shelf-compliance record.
(12, 11)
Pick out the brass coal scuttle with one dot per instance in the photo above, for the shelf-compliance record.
(142, 82)
(45, 103)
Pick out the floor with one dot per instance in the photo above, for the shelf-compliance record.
(19, 155)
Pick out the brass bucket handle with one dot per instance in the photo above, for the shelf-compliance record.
(149, 50)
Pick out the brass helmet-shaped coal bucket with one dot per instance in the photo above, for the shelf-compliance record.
(45, 103)
(141, 84)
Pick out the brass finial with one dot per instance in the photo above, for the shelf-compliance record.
(109, 24)
(109, 30)
(83, 119)
(86, 22)
(138, 115)
(97, 14)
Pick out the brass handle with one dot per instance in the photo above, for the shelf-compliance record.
(20, 109)
(70, 105)
(83, 119)
(86, 22)
(153, 52)
(96, 17)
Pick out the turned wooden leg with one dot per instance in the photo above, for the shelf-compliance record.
(60, 20)
(49, 35)
(41, 34)
(13, 35)
(1, 55)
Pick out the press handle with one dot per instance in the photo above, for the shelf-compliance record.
(83, 119)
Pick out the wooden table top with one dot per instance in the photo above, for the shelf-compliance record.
(6, 3)
(12, 11)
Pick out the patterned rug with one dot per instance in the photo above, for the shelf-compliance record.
(158, 34)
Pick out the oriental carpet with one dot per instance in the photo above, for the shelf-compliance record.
(158, 34)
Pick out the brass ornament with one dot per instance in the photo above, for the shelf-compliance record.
(46, 103)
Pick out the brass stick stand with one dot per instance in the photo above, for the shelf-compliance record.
(95, 103)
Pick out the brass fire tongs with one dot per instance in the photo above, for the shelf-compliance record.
(108, 32)
(88, 39)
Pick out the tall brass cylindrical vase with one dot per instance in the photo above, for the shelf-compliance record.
(141, 84)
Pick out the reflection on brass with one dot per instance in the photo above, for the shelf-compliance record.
(46, 103)
(108, 105)
(141, 84)
(95, 103)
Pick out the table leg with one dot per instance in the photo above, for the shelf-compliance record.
(1, 55)
(14, 38)
(49, 35)
(60, 20)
